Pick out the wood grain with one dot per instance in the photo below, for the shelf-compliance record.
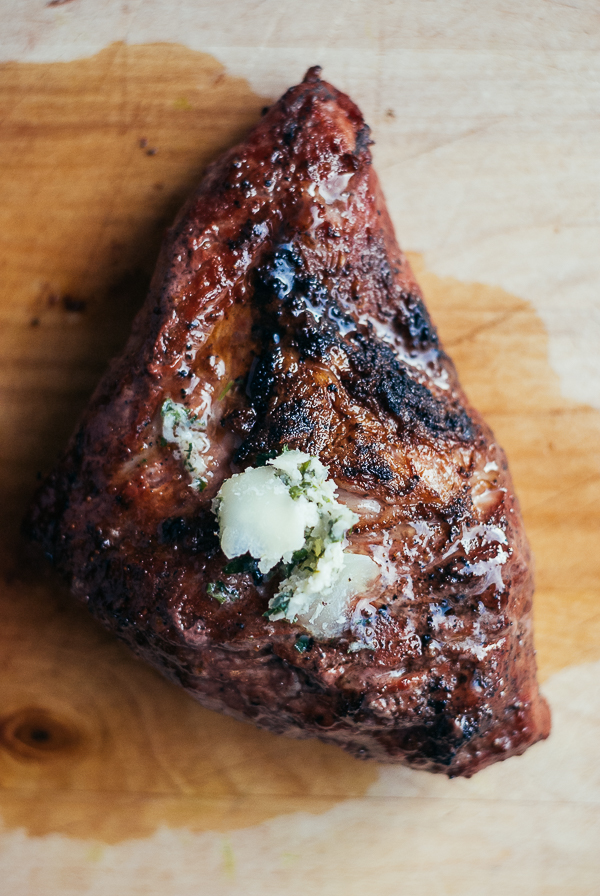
(95, 158)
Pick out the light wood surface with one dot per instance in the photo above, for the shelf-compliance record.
(95, 157)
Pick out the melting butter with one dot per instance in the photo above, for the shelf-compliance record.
(286, 514)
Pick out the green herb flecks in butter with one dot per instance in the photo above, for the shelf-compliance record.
(221, 592)
(185, 431)
(286, 516)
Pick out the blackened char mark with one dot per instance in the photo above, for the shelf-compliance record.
(445, 735)
(291, 420)
(240, 420)
(413, 321)
(363, 140)
(289, 133)
(315, 341)
(403, 310)
(297, 316)
(289, 424)
(296, 307)
(197, 534)
(379, 378)
(368, 466)
(276, 278)
(261, 379)
(439, 740)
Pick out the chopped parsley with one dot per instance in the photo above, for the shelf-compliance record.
(263, 456)
(222, 592)
(303, 643)
(226, 390)
(183, 429)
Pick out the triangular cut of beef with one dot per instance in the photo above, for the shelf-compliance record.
(279, 495)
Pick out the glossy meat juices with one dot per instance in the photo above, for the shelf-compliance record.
(284, 317)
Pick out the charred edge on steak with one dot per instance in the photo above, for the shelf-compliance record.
(438, 740)
(297, 312)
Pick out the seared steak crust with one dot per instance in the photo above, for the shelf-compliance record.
(283, 310)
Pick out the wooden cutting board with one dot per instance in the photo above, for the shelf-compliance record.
(97, 752)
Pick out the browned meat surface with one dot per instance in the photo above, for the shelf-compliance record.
(284, 312)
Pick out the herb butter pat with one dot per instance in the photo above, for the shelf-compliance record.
(286, 516)
(185, 431)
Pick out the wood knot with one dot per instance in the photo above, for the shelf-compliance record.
(34, 733)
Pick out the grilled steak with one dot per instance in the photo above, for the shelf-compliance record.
(284, 315)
